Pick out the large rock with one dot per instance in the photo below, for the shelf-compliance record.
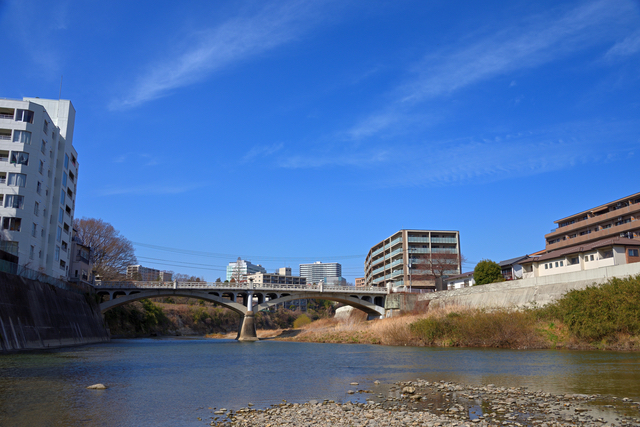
(97, 387)
(343, 313)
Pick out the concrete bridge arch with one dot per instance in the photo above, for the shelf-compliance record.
(122, 297)
(368, 307)
(373, 305)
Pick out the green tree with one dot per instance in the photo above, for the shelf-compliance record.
(487, 271)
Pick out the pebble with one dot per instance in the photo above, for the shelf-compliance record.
(446, 404)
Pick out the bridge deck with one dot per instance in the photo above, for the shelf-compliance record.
(242, 287)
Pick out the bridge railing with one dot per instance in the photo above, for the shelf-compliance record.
(236, 287)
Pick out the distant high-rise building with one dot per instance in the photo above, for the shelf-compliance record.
(39, 180)
(284, 271)
(318, 271)
(238, 270)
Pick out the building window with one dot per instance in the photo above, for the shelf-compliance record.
(19, 158)
(556, 264)
(633, 252)
(32, 251)
(64, 246)
(57, 253)
(36, 209)
(41, 167)
(34, 229)
(17, 179)
(546, 266)
(591, 257)
(62, 195)
(63, 264)
(22, 136)
(59, 235)
(24, 116)
(11, 224)
(61, 215)
(574, 261)
(607, 254)
(14, 201)
(561, 263)
(39, 188)
(64, 179)
(45, 128)
(43, 146)
(66, 161)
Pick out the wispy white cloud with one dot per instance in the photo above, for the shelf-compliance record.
(216, 48)
(260, 151)
(629, 46)
(148, 189)
(141, 159)
(468, 160)
(320, 159)
(522, 45)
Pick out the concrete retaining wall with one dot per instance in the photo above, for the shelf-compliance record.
(34, 315)
(524, 292)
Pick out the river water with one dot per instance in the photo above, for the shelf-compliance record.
(173, 381)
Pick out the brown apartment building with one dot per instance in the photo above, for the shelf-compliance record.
(413, 258)
(619, 218)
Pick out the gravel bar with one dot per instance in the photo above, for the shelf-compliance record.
(424, 403)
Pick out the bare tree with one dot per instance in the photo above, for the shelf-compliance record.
(428, 268)
(180, 277)
(111, 252)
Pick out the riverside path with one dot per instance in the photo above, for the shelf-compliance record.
(243, 298)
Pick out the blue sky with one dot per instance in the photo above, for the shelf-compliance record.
(310, 130)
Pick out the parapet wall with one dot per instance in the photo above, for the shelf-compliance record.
(525, 292)
(35, 315)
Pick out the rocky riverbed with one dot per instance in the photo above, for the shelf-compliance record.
(424, 403)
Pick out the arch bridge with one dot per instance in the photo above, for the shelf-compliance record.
(243, 298)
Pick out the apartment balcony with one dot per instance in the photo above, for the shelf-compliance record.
(377, 261)
(613, 231)
(567, 229)
(378, 251)
(395, 242)
(452, 240)
(397, 251)
(378, 270)
(397, 273)
(396, 262)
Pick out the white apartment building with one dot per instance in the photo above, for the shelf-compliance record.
(318, 271)
(38, 181)
(239, 270)
(587, 256)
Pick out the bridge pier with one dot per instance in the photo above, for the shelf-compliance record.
(247, 332)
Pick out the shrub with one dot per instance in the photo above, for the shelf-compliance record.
(598, 312)
(302, 320)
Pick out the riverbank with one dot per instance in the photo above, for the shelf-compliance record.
(605, 317)
(424, 403)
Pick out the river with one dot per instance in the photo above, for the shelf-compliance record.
(173, 381)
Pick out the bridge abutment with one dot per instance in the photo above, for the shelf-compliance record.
(247, 332)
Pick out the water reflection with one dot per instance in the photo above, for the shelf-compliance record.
(175, 381)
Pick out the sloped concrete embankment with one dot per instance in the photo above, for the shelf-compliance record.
(537, 291)
(35, 315)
